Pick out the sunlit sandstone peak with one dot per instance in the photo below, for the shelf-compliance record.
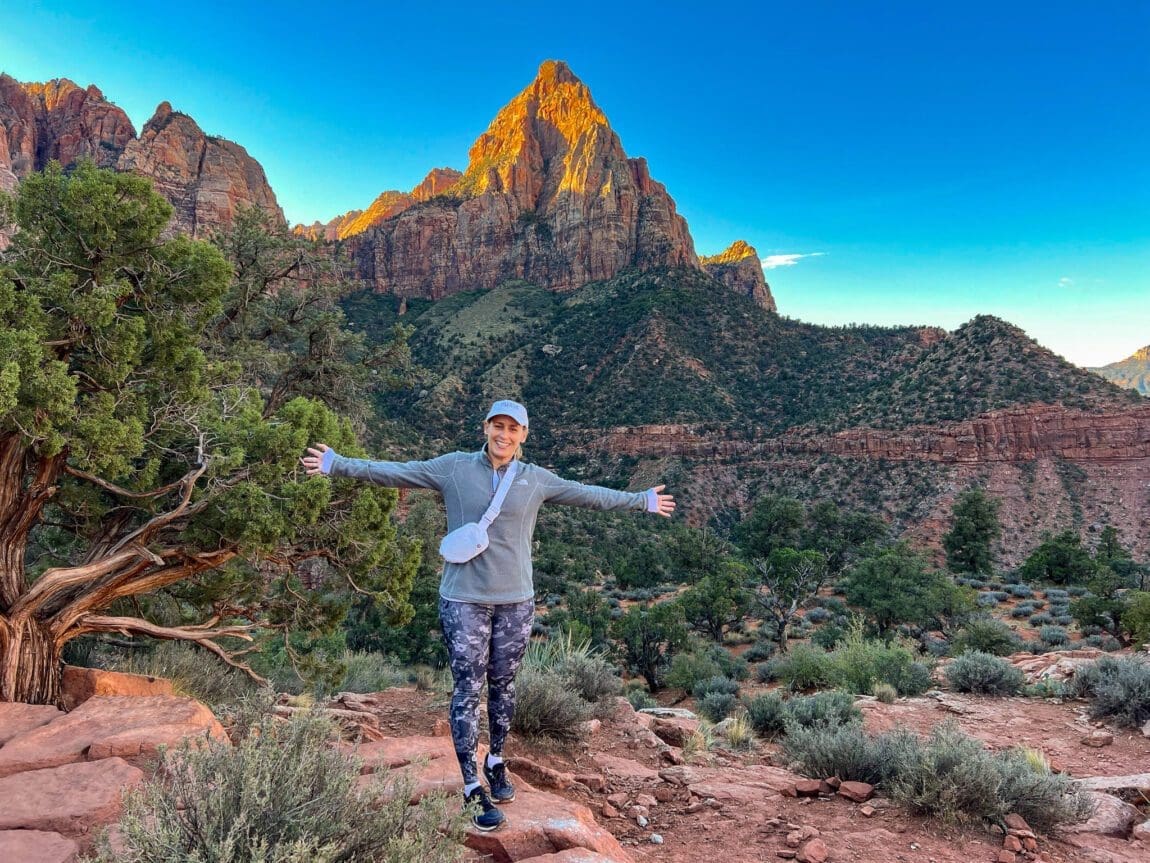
(388, 204)
(548, 196)
(739, 268)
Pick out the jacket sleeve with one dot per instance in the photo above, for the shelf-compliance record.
(571, 493)
(432, 474)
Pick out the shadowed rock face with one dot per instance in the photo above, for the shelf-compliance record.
(205, 178)
(549, 196)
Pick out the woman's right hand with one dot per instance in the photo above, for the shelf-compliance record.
(313, 461)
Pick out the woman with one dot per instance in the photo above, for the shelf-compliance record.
(487, 604)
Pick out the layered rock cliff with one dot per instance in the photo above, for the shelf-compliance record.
(549, 196)
(741, 270)
(388, 204)
(204, 177)
(57, 120)
(1132, 372)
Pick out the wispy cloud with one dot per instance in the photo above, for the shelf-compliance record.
(771, 262)
(1066, 282)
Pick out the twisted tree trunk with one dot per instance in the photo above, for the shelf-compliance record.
(30, 663)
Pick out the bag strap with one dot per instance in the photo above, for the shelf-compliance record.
(500, 494)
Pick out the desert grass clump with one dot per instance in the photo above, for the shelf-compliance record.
(885, 693)
(983, 674)
(281, 794)
(1118, 689)
(369, 671)
(739, 733)
(192, 671)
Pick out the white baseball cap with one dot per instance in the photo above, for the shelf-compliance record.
(506, 407)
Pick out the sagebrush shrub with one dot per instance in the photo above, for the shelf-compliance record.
(1118, 689)
(983, 674)
(767, 714)
(845, 751)
(547, 707)
(986, 635)
(282, 794)
(1053, 636)
(885, 693)
(717, 706)
(718, 683)
(833, 707)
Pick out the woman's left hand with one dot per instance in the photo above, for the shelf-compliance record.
(666, 502)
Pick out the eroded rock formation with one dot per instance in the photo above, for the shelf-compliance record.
(741, 270)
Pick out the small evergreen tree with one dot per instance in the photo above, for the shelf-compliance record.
(974, 529)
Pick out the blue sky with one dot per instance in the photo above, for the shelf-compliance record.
(905, 163)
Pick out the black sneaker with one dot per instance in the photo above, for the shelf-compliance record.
(502, 791)
(484, 815)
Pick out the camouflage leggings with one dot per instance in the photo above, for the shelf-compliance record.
(484, 642)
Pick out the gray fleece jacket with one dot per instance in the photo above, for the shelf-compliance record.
(467, 481)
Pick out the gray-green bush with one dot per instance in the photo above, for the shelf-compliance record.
(983, 674)
(282, 794)
(1118, 689)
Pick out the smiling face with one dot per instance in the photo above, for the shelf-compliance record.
(504, 436)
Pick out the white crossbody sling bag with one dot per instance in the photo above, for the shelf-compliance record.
(471, 540)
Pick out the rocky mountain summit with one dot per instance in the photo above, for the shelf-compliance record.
(1132, 372)
(549, 196)
(206, 178)
(740, 269)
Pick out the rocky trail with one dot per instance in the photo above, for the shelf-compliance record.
(628, 792)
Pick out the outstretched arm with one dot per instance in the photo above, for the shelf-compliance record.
(322, 459)
(573, 493)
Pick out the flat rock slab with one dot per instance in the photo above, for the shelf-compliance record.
(80, 684)
(105, 727)
(758, 779)
(576, 855)
(1135, 783)
(1112, 817)
(539, 824)
(392, 752)
(37, 846)
(72, 799)
(16, 718)
(625, 768)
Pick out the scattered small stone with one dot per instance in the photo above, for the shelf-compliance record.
(1030, 843)
(646, 800)
(786, 854)
(656, 839)
(664, 794)
(1141, 831)
(695, 806)
(1098, 739)
(814, 851)
(1007, 857)
(1012, 843)
(807, 788)
(867, 810)
(640, 820)
(617, 799)
(1014, 821)
(833, 781)
(609, 811)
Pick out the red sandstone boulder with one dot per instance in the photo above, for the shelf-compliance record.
(71, 800)
(80, 684)
(36, 846)
(105, 727)
(576, 855)
(539, 823)
(674, 730)
(859, 792)
(16, 718)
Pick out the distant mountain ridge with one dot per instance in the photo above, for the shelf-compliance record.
(206, 178)
(1132, 372)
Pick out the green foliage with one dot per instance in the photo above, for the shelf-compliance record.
(885, 693)
(983, 674)
(716, 602)
(546, 707)
(1136, 618)
(974, 529)
(1118, 689)
(858, 664)
(648, 638)
(721, 684)
(191, 670)
(845, 751)
(986, 635)
(1059, 559)
(582, 667)
(774, 523)
(283, 794)
(897, 587)
(805, 667)
(783, 582)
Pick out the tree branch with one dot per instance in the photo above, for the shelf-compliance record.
(202, 635)
(123, 492)
(58, 579)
